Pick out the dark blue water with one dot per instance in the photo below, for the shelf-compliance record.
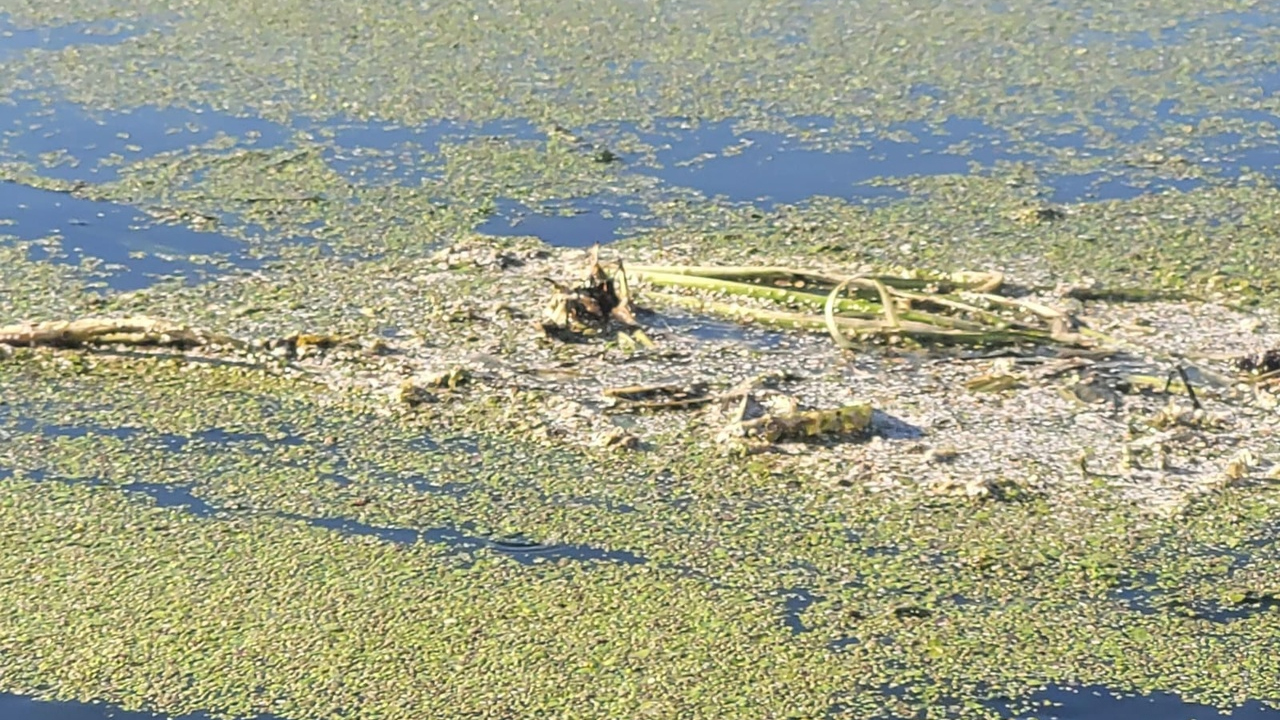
(1088, 703)
(712, 160)
(769, 168)
(69, 142)
(1098, 703)
(14, 39)
(589, 221)
(128, 249)
(18, 707)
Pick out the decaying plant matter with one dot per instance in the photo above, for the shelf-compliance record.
(753, 414)
(588, 309)
(1260, 363)
(757, 414)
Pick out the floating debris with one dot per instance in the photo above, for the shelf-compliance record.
(1032, 214)
(574, 312)
(1260, 363)
(941, 454)
(800, 425)
(138, 330)
(1172, 416)
(998, 382)
(763, 416)
(617, 438)
(301, 345)
(660, 396)
(419, 391)
(451, 378)
(414, 395)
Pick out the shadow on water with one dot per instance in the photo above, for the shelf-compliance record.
(174, 496)
(1226, 607)
(121, 244)
(19, 707)
(526, 552)
(459, 542)
(219, 438)
(181, 495)
(162, 495)
(795, 602)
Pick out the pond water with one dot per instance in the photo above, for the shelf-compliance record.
(1057, 703)
(1097, 703)
(17, 707)
(759, 168)
(117, 244)
(717, 161)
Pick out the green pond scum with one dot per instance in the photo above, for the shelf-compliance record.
(919, 603)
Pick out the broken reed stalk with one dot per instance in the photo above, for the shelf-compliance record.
(880, 290)
(875, 305)
(858, 327)
(975, 281)
(748, 289)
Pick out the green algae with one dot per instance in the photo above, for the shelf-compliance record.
(393, 618)
(973, 593)
(34, 288)
(708, 60)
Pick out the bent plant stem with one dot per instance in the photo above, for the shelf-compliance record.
(829, 315)
(887, 302)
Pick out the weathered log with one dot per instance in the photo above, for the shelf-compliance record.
(138, 330)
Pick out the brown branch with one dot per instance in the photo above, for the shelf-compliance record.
(139, 331)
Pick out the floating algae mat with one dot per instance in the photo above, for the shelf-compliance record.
(675, 516)
(691, 486)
